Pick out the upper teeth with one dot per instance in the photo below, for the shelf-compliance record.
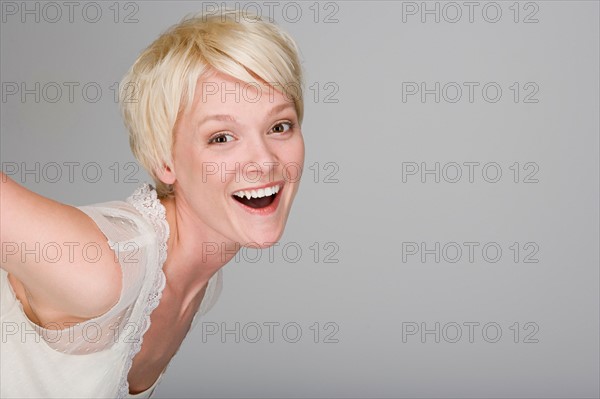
(259, 193)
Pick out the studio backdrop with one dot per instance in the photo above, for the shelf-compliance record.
(444, 240)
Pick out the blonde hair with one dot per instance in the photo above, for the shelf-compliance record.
(162, 81)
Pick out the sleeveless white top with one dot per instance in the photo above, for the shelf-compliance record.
(92, 359)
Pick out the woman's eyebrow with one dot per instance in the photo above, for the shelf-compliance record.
(280, 107)
(230, 118)
(217, 117)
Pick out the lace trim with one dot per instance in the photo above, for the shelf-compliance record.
(145, 200)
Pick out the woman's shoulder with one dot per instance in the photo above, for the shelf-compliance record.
(140, 218)
(101, 262)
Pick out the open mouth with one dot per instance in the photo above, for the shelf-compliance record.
(257, 198)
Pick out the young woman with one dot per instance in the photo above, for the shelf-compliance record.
(213, 108)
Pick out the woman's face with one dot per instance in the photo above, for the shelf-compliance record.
(235, 137)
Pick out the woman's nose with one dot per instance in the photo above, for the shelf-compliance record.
(261, 161)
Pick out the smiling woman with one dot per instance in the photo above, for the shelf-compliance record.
(213, 108)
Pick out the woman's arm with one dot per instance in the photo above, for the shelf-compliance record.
(59, 255)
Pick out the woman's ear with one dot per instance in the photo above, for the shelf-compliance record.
(166, 174)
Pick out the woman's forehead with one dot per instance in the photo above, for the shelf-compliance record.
(219, 91)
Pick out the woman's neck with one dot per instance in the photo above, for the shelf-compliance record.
(194, 255)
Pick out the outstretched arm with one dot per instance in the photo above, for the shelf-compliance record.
(59, 255)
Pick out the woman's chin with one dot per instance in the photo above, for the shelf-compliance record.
(262, 240)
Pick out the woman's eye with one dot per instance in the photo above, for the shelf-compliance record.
(221, 138)
(282, 127)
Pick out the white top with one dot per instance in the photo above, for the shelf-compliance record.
(92, 359)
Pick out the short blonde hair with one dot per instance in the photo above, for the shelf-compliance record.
(162, 81)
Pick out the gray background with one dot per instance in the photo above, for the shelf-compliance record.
(367, 135)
